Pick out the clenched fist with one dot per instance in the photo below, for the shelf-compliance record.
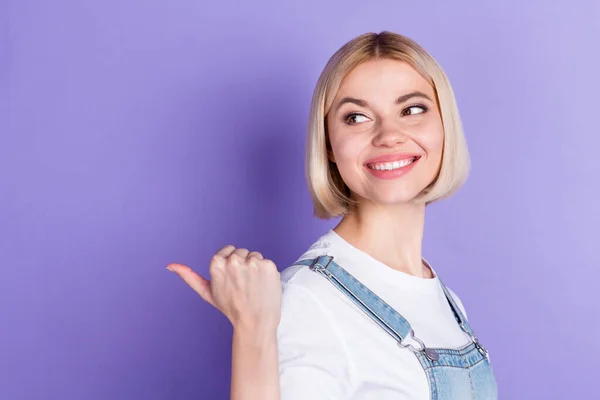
(244, 286)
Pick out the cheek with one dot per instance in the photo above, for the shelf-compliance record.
(346, 152)
(432, 140)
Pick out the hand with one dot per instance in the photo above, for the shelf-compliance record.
(244, 286)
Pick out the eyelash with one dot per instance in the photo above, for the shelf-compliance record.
(424, 107)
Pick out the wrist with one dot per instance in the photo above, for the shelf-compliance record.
(255, 336)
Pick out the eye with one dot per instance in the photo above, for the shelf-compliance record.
(413, 110)
(355, 118)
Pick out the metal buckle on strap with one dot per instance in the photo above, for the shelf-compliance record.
(475, 341)
(479, 346)
(429, 353)
(315, 266)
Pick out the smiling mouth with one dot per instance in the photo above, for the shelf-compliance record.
(390, 166)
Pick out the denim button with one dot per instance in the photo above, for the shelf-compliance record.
(431, 354)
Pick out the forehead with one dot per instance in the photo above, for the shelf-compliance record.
(375, 78)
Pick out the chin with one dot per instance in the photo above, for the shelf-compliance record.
(399, 201)
(397, 197)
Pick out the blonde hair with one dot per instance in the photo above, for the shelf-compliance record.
(330, 195)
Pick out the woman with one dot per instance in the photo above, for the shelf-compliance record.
(362, 315)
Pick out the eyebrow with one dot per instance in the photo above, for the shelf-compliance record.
(399, 100)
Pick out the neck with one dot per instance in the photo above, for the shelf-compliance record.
(392, 235)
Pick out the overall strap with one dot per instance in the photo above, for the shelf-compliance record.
(458, 314)
(377, 309)
(462, 320)
(371, 304)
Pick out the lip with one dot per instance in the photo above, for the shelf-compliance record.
(396, 173)
(392, 158)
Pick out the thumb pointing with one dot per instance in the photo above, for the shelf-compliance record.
(195, 281)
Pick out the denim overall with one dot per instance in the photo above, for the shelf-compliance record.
(453, 374)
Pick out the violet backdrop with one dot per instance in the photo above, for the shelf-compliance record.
(138, 133)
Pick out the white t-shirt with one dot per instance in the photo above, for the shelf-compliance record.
(329, 349)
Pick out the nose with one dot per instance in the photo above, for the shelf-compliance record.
(389, 135)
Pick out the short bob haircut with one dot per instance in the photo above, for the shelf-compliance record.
(330, 195)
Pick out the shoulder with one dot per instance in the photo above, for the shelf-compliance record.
(309, 322)
(299, 283)
(308, 297)
(301, 275)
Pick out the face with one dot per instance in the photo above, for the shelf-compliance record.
(386, 132)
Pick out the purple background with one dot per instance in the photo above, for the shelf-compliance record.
(140, 133)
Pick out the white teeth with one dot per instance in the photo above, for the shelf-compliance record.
(392, 165)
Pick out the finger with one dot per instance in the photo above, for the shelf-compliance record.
(226, 251)
(255, 254)
(195, 281)
(242, 253)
